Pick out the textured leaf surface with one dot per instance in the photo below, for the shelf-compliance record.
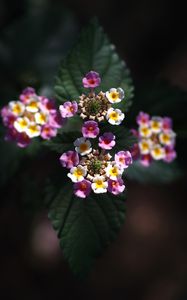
(63, 141)
(157, 172)
(93, 51)
(84, 226)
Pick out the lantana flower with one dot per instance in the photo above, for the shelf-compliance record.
(123, 159)
(107, 141)
(16, 108)
(142, 119)
(115, 95)
(69, 159)
(156, 139)
(113, 171)
(93, 169)
(157, 152)
(82, 146)
(29, 117)
(115, 116)
(116, 186)
(97, 107)
(77, 173)
(82, 188)
(170, 154)
(68, 109)
(91, 80)
(90, 129)
(99, 184)
(156, 124)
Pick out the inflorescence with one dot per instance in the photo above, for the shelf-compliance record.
(92, 168)
(96, 107)
(156, 139)
(29, 117)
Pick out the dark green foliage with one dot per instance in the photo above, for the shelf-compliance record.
(63, 142)
(93, 51)
(84, 226)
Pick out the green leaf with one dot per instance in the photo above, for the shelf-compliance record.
(84, 226)
(93, 51)
(63, 141)
(156, 173)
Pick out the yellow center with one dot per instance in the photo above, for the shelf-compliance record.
(23, 123)
(114, 171)
(155, 125)
(42, 118)
(145, 131)
(17, 109)
(145, 146)
(33, 128)
(114, 116)
(165, 138)
(83, 147)
(157, 151)
(114, 96)
(99, 184)
(78, 173)
(33, 104)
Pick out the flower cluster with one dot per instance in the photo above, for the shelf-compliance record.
(29, 117)
(96, 107)
(92, 169)
(156, 139)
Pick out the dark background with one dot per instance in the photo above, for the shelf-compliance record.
(149, 259)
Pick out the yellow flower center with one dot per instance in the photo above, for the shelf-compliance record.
(33, 128)
(157, 151)
(145, 131)
(165, 138)
(145, 146)
(17, 109)
(114, 96)
(33, 104)
(78, 173)
(155, 125)
(114, 116)
(114, 171)
(99, 184)
(42, 118)
(23, 123)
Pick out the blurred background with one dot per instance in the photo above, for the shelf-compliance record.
(148, 260)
